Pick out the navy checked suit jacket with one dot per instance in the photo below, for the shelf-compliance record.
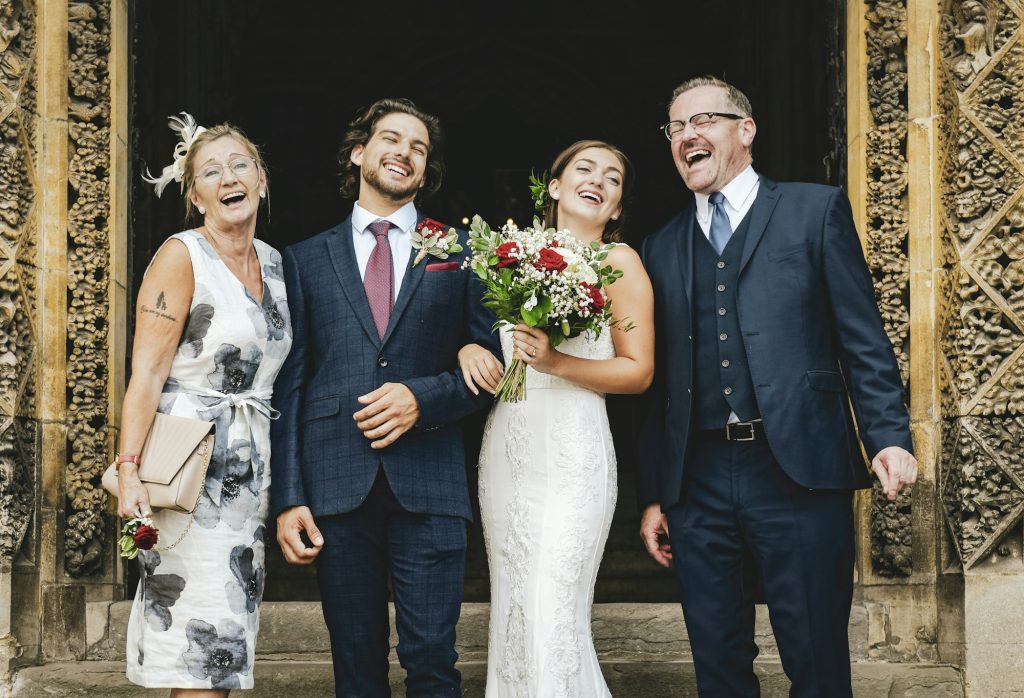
(813, 335)
(320, 458)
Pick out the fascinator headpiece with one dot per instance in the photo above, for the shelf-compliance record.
(187, 130)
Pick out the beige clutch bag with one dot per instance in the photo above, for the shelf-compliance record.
(174, 461)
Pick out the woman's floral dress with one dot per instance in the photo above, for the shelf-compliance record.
(196, 612)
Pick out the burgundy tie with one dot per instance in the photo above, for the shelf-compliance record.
(379, 279)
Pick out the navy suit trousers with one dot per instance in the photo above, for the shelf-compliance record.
(425, 556)
(738, 505)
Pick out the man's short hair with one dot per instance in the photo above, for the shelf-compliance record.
(738, 99)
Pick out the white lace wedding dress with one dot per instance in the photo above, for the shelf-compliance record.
(547, 494)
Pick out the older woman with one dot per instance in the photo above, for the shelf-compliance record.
(212, 331)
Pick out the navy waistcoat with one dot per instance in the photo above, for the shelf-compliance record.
(721, 373)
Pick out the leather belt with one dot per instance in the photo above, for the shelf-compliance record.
(737, 431)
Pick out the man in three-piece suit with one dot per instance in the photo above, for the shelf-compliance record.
(767, 332)
(368, 453)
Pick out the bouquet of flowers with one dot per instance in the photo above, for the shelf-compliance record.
(137, 534)
(543, 278)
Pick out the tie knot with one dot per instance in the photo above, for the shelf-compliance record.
(380, 228)
(716, 198)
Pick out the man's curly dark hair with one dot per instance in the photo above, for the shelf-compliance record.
(363, 126)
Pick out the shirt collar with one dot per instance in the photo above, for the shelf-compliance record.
(404, 218)
(736, 193)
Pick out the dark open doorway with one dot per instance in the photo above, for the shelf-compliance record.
(513, 84)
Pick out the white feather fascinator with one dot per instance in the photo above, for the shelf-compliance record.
(187, 130)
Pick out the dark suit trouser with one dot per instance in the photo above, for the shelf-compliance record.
(738, 504)
(425, 556)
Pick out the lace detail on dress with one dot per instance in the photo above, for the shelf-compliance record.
(576, 474)
(516, 663)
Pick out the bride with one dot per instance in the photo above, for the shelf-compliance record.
(547, 464)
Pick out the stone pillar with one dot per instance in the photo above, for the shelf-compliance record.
(980, 311)
(19, 339)
(61, 280)
(892, 171)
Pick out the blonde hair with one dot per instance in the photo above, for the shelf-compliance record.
(208, 136)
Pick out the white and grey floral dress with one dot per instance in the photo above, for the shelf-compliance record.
(196, 612)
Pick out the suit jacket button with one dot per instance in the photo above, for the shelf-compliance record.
(382, 362)
(727, 390)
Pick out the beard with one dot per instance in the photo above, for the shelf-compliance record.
(389, 189)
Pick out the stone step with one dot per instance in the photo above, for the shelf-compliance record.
(313, 679)
(634, 632)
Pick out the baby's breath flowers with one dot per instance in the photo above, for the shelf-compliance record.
(544, 278)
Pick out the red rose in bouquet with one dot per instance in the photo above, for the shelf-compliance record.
(145, 537)
(597, 299)
(549, 260)
(508, 254)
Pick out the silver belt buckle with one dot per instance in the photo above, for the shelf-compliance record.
(750, 431)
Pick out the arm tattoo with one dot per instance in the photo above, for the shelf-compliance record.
(161, 305)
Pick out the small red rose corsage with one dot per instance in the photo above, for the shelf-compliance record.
(137, 534)
(430, 238)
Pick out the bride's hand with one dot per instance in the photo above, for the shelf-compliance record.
(479, 368)
(534, 348)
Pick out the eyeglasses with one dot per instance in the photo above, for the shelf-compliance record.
(701, 122)
(242, 167)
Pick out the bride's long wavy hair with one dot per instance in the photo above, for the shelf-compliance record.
(613, 229)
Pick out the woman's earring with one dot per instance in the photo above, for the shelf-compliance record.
(263, 193)
(555, 197)
(202, 211)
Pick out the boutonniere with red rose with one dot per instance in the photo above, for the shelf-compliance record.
(137, 534)
(430, 238)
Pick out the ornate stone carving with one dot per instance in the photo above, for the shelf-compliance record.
(18, 451)
(981, 487)
(891, 552)
(835, 41)
(982, 312)
(88, 262)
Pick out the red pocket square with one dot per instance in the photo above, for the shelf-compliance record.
(442, 266)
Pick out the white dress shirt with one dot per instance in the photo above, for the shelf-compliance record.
(400, 238)
(739, 197)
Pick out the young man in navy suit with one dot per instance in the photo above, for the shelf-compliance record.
(767, 333)
(368, 453)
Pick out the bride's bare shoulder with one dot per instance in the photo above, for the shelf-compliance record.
(624, 257)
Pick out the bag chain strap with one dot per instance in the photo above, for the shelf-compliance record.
(192, 514)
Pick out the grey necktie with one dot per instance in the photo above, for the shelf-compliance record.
(721, 230)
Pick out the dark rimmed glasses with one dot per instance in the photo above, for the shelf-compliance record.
(701, 122)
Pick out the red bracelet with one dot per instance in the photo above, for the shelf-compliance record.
(126, 458)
